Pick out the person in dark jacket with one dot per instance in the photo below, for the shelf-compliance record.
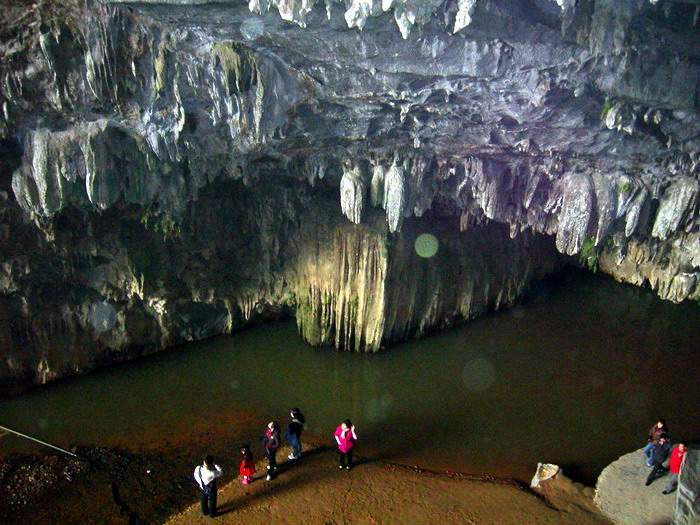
(271, 442)
(655, 433)
(294, 430)
(660, 454)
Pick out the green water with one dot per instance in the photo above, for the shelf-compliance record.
(575, 376)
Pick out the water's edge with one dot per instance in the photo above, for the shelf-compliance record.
(495, 396)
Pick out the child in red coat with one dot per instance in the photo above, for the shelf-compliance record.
(247, 465)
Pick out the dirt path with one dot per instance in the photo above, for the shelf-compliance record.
(316, 491)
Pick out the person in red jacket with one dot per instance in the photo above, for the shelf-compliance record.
(246, 468)
(674, 466)
(345, 437)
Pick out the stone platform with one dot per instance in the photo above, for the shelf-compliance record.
(622, 496)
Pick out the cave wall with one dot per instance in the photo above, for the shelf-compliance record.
(106, 287)
(172, 172)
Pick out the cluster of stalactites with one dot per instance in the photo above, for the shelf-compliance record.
(583, 209)
(407, 13)
(153, 158)
(574, 203)
(385, 185)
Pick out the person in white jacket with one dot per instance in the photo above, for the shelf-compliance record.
(205, 475)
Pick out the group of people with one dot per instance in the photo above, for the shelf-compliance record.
(658, 450)
(206, 474)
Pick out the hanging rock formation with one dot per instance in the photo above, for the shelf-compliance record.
(363, 286)
(172, 172)
(115, 285)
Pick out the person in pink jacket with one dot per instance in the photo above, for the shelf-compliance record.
(345, 437)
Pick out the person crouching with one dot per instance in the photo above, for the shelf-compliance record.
(659, 456)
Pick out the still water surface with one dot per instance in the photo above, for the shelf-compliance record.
(574, 375)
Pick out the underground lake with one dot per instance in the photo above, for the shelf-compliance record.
(574, 375)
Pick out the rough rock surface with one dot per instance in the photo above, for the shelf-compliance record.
(687, 510)
(622, 496)
(164, 167)
(562, 493)
(133, 283)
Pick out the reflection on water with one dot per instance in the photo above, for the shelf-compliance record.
(575, 375)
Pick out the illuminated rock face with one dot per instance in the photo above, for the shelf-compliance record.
(115, 285)
(139, 145)
(360, 287)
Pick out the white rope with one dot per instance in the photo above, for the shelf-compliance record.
(40, 442)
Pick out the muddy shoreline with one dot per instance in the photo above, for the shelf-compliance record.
(105, 486)
(121, 486)
(143, 481)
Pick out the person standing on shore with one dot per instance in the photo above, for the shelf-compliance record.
(345, 437)
(655, 433)
(271, 442)
(246, 468)
(674, 465)
(659, 456)
(294, 430)
(205, 475)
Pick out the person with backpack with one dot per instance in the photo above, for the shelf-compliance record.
(205, 475)
(294, 430)
(271, 442)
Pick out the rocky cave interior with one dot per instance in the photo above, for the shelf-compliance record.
(173, 172)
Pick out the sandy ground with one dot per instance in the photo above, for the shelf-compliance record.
(314, 491)
(152, 482)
